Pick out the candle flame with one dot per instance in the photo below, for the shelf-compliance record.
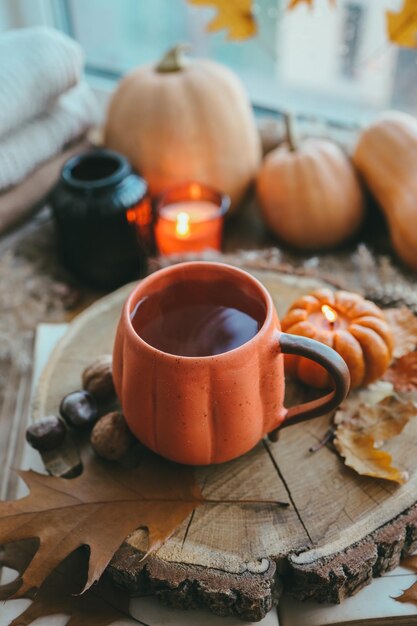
(183, 224)
(329, 313)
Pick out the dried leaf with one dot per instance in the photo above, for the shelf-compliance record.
(16, 556)
(360, 454)
(408, 595)
(99, 509)
(363, 428)
(402, 374)
(410, 562)
(101, 605)
(293, 3)
(236, 16)
(403, 324)
(402, 26)
(382, 420)
(370, 395)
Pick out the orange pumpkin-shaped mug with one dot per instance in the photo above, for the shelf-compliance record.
(182, 394)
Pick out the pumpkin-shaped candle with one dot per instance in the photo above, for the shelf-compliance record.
(354, 327)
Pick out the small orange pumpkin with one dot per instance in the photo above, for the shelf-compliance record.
(360, 334)
(310, 195)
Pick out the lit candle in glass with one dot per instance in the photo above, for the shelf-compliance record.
(190, 219)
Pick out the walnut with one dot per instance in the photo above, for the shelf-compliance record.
(110, 437)
(97, 379)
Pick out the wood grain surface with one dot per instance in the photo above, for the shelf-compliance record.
(339, 531)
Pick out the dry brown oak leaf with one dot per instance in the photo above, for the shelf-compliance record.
(236, 16)
(16, 556)
(98, 509)
(102, 605)
(410, 594)
(403, 373)
(363, 429)
(402, 26)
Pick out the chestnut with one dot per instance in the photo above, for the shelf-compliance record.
(79, 410)
(46, 433)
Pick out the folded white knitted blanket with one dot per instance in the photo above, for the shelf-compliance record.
(36, 66)
(43, 137)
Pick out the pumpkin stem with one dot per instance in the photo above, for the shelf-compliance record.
(290, 131)
(174, 60)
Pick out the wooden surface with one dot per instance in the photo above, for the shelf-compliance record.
(374, 602)
(337, 533)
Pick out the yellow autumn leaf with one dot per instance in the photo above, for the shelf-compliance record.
(361, 455)
(363, 428)
(236, 16)
(402, 26)
(294, 3)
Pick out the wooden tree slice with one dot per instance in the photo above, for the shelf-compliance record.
(339, 531)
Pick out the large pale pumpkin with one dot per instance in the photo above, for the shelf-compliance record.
(183, 120)
(386, 156)
(310, 195)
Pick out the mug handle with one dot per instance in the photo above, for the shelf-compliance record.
(332, 362)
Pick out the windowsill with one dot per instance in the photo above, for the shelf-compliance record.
(318, 116)
(103, 88)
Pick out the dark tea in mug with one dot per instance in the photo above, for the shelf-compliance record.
(195, 319)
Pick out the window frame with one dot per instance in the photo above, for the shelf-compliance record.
(23, 14)
(65, 22)
(58, 14)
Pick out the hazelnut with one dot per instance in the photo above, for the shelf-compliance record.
(79, 410)
(97, 378)
(46, 433)
(110, 437)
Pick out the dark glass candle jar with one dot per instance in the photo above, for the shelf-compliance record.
(103, 219)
